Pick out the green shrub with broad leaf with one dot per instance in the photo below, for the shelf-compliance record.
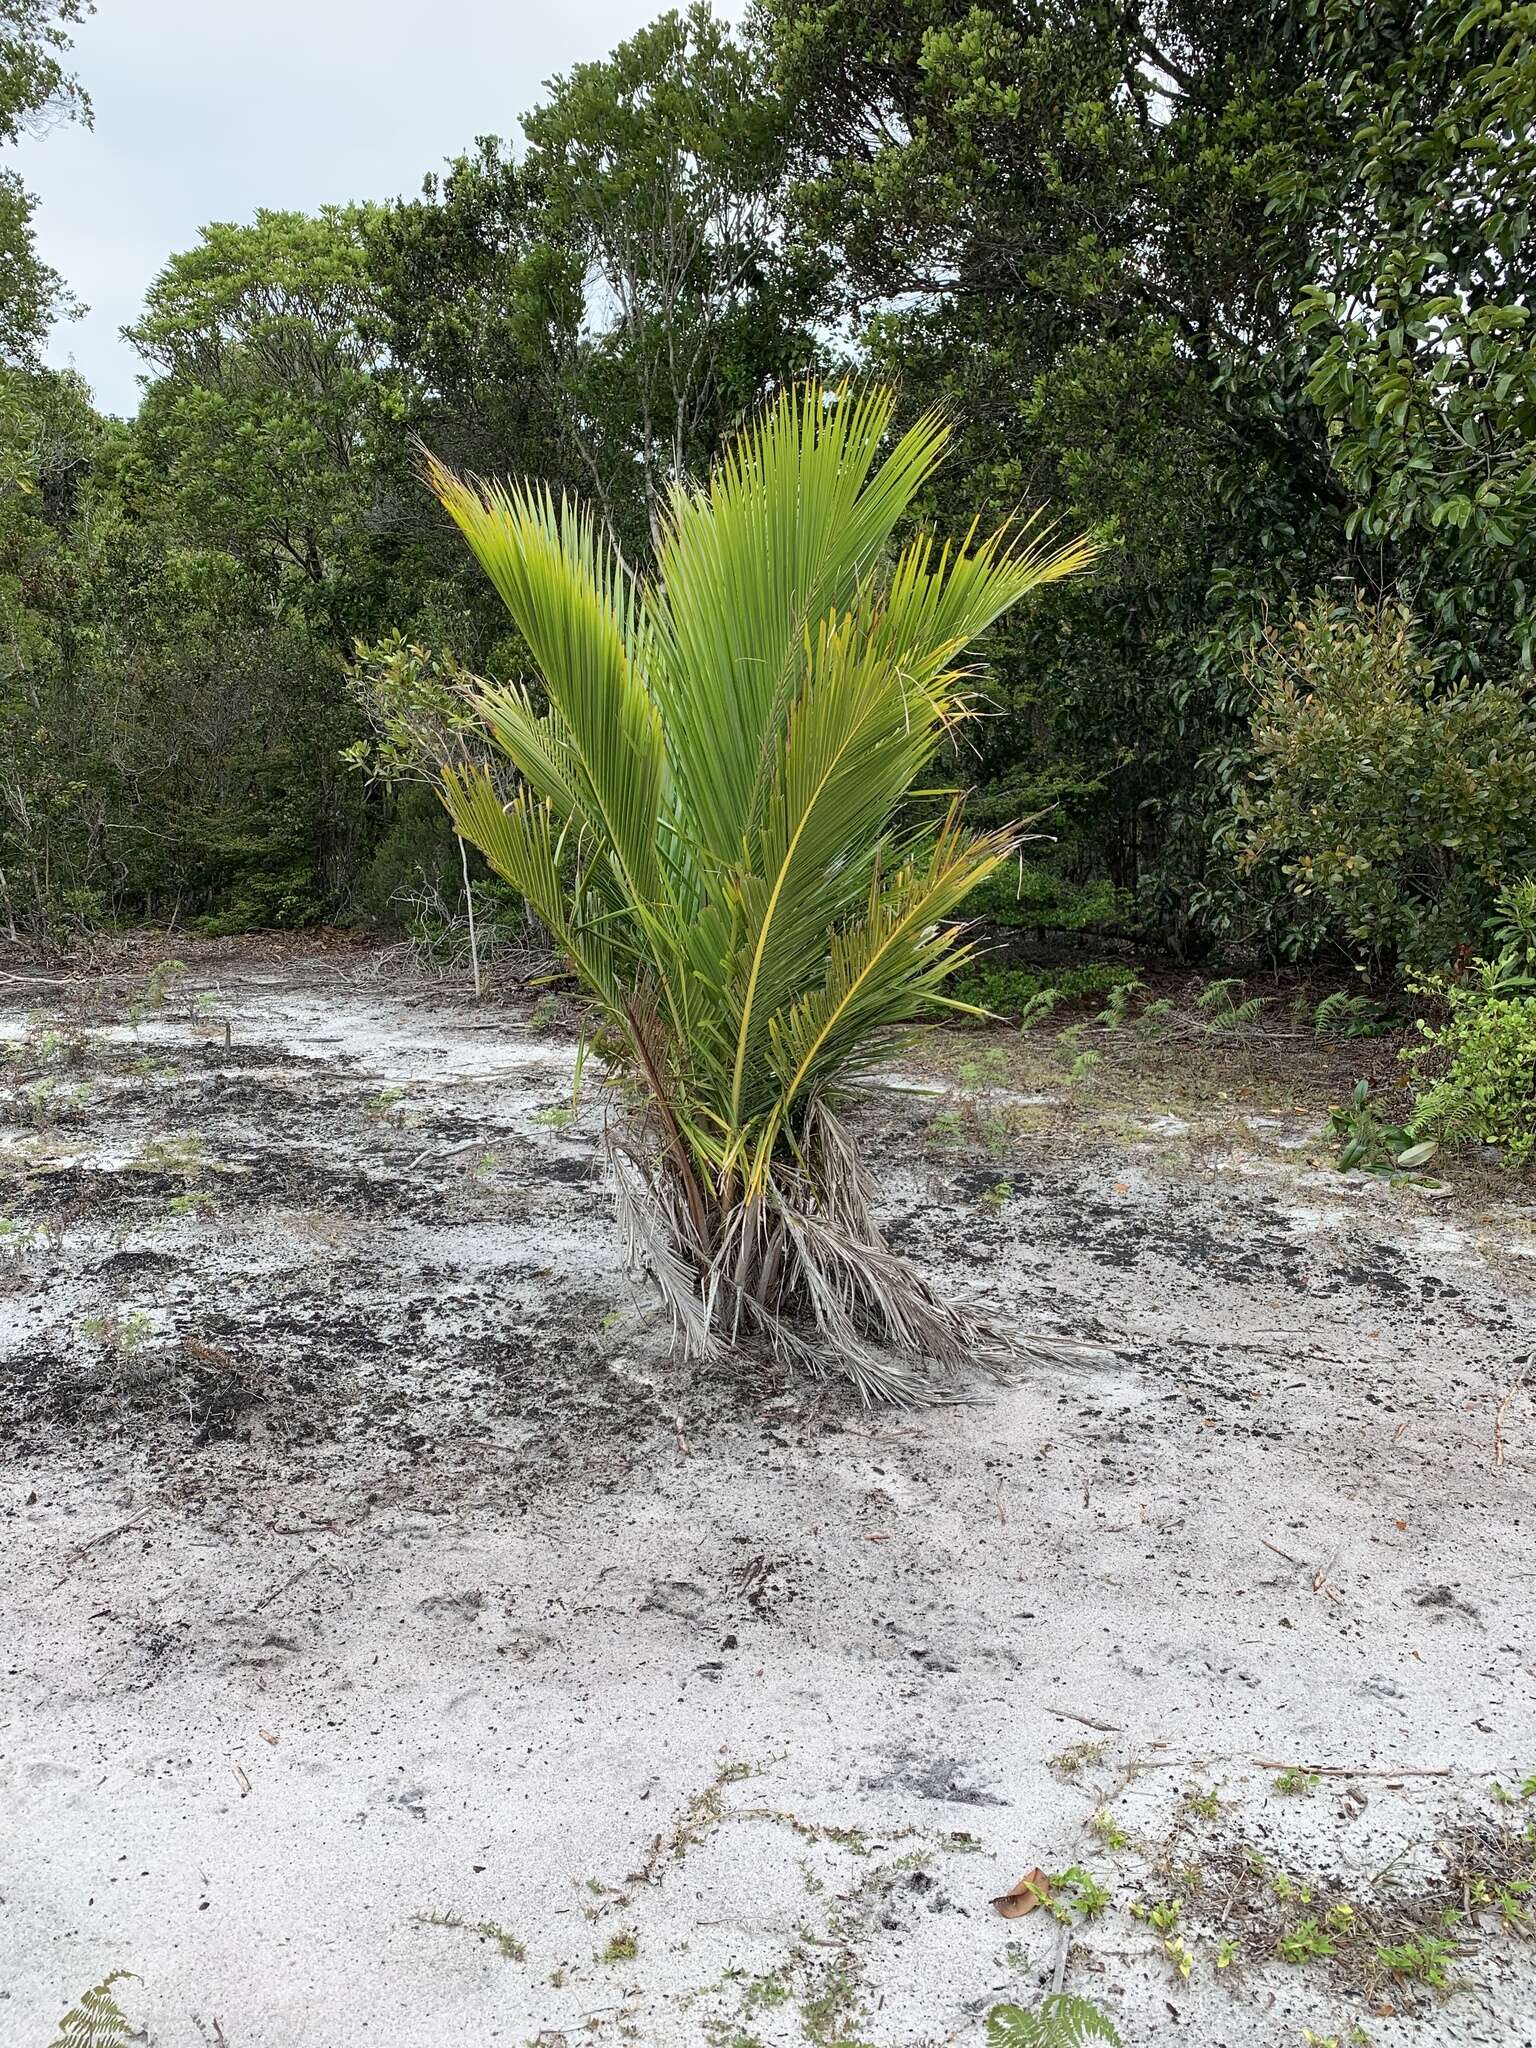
(1393, 807)
(1475, 1069)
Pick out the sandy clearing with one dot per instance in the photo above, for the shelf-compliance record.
(558, 1640)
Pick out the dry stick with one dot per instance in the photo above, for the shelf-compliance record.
(1498, 1417)
(1351, 1771)
(1085, 1721)
(469, 905)
(107, 1536)
(1063, 1947)
(267, 1598)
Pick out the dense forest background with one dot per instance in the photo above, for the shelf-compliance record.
(1245, 289)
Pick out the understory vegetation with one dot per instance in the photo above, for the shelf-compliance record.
(1242, 292)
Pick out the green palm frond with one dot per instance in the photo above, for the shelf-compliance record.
(1060, 2021)
(703, 814)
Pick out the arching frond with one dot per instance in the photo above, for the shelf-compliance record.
(703, 816)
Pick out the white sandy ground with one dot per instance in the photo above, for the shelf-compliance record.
(436, 1589)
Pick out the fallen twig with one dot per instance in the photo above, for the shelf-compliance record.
(1063, 1948)
(1085, 1721)
(106, 1536)
(1263, 1763)
(267, 1598)
(1498, 1417)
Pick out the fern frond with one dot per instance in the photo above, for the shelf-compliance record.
(1217, 995)
(1450, 1112)
(1060, 2021)
(1334, 1013)
(98, 2021)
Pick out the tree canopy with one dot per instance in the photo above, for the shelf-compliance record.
(1243, 290)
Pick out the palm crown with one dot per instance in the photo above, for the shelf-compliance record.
(710, 815)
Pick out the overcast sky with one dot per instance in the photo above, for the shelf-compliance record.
(208, 109)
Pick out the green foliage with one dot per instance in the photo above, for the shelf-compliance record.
(1297, 1782)
(1306, 1942)
(1393, 809)
(1077, 1890)
(258, 423)
(1242, 290)
(705, 817)
(1475, 1073)
(1028, 895)
(1018, 991)
(35, 92)
(1060, 2021)
(1415, 337)
(98, 2021)
(1370, 1144)
(1422, 1958)
(1225, 1008)
(1342, 1015)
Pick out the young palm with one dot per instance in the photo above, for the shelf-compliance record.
(708, 810)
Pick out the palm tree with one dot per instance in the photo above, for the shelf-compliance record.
(709, 811)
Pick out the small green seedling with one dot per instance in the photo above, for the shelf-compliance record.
(1423, 1959)
(487, 1930)
(1296, 1782)
(1068, 1762)
(1108, 1830)
(1368, 1143)
(124, 1337)
(1163, 1914)
(18, 1238)
(1180, 1954)
(1305, 1943)
(1076, 1890)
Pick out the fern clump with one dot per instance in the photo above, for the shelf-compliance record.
(1224, 1008)
(98, 2021)
(1342, 1015)
(1059, 2021)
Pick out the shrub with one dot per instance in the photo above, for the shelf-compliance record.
(1395, 810)
(1033, 896)
(1012, 990)
(1475, 1072)
(705, 809)
(1487, 1091)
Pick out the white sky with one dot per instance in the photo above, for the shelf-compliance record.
(208, 109)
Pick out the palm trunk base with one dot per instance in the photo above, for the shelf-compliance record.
(804, 1266)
